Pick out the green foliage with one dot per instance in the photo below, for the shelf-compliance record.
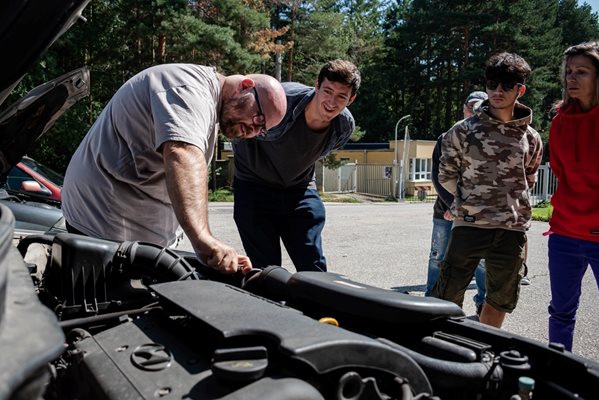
(220, 195)
(435, 52)
(542, 211)
(337, 198)
(331, 162)
(418, 57)
(357, 134)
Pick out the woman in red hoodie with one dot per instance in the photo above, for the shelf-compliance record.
(574, 152)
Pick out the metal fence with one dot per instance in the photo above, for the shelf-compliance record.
(545, 186)
(375, 179)
(381, 180)
(342, 179)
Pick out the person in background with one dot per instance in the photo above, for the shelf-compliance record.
(489, 162)
(574, 224)
(142, 169)
(274, 183)
(443, 219)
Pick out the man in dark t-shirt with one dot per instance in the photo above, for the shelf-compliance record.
(275, 191)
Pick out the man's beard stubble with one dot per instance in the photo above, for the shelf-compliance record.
(231, 114)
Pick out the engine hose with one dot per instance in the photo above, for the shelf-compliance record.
(162, 264)
(28, 240)
(96, 319)
(271, 282)
(452, 374)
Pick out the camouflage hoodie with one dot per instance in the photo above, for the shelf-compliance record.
(489, 166)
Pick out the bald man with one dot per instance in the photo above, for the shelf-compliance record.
(142, 169)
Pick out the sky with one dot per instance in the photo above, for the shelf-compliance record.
(593, 3)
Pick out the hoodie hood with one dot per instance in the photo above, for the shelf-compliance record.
(522, 115)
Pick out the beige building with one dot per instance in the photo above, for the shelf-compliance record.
(417, 168)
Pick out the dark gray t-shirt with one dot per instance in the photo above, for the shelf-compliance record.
(286, 162)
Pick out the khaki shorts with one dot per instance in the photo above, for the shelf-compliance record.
(503, 251)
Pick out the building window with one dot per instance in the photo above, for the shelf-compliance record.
(420, 169)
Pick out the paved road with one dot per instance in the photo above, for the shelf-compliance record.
(387, 244)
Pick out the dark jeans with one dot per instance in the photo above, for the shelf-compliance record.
(265, 216)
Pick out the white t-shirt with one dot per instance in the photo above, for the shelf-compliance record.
(115, 186)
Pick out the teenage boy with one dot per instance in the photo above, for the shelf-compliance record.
(275, 192)
(489, 163)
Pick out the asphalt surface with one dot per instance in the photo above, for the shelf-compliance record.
(387, 245)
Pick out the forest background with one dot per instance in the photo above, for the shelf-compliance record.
(419, 57)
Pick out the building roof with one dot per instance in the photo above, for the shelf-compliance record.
(366, 146)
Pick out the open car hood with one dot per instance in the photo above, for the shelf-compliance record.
(34, 114)
(27, 29)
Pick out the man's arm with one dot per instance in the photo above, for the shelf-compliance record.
(444, 195)
(450, 162)
(187, 184)
(535, 158)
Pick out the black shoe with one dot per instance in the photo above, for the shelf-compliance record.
(479, 309)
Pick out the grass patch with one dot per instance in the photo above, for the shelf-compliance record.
(331, 197)
(542, 211)
(220, 195)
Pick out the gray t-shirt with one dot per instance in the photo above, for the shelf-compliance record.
(115, 184)
(286, 162)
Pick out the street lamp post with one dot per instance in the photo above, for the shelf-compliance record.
(395, 169)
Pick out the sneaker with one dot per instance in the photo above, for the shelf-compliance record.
(525, 281)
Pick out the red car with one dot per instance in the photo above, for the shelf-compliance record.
(33, 178)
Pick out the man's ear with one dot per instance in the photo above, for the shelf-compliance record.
(247, 83)
(521, 90)
(351, 100)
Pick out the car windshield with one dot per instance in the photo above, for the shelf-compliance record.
(41, 169)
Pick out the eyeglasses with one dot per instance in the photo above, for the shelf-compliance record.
(506, 86)
(259, 120)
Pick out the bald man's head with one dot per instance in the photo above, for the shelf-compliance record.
(251, 105)
(272, 97)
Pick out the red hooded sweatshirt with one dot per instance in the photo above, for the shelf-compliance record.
(574, 159)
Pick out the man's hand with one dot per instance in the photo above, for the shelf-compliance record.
(244, 264)
(226, 260)
(222, 257)
(448, 216)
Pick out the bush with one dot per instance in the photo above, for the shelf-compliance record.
(542, 211)
(222, 194)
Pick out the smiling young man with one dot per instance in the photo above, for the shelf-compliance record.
(489, 162)
(275, 192)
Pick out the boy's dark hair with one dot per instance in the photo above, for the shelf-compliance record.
(341, 71)
(507, 67)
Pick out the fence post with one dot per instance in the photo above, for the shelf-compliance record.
(545, 182)
(324, 185)
(355, 176)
